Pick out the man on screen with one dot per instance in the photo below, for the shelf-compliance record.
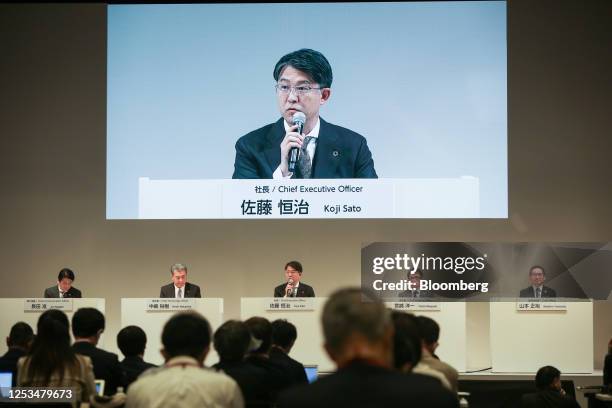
(293, 287)
(64, 288)
(179, 288)
(303, 84)
(537, 276)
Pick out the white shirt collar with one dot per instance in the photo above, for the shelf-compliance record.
(314, 132)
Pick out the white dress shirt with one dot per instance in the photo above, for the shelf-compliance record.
(311, 148)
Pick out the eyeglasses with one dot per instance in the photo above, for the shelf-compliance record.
(300, 90)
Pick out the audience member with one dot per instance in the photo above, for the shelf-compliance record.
(183, 381)
(358, 334)
(52, 363)
(407, 348)
(87, 327)
(259, 355)
(607, 370)
(18, 342)
(284, 335)
(430, 333)
(550, 393)
(232, 340)
(132, 341)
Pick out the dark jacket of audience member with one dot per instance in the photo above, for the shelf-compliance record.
(87, 326)
(132, 341)
(277, 376)
(550, 393)
(607, 370)
(232, 340)
(359, 339)
(284, 335)
(18, 343)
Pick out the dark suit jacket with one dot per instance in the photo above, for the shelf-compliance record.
(106, 366)
(362, 385)
(303, 290)
(530, 292)
(253, 381)
(340, 153)
(607, 371)
(191, 291)
(295, 369)
(8, 362)
(275, 374)
(132, 367)
(547, 399)
(53, 292)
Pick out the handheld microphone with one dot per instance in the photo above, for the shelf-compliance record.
(299, 119)
(287, 290)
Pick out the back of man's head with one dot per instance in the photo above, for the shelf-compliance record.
(132, 341)
(351, 312)
(87, 322)
(406, 341)
(284, 334)
(430, 330)
(231, 340)
(21, 335)
(546, 376)
(186, 334)
(261, 329)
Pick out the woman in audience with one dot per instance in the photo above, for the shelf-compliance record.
(52, 363)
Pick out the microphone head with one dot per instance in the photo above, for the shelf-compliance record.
(299, 118)
(290, 281)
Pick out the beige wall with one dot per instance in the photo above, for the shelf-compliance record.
(52, 170)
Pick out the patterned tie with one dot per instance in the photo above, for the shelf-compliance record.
(180, 293)
(538, 292)
(305, 162)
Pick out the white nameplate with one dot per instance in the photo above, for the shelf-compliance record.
(289, 303)
(169, 304)
(414, 306)
(534, 306)
(41, 305)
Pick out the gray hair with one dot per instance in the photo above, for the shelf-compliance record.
(178, 267)
(349, 311)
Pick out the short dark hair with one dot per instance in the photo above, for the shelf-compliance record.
(231, 340)
(261, 329)
(415, 272)
(284, 333)
(537, 267)
(132, 341)
(545, 377)
(308, 61)
(65, 273)
(21, 335)
(430, 330)
(186, 334)
(295, 265)
(406, 340)
(87, 321)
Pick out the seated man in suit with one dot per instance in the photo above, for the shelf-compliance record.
(64, 288)
(430, 333)
(358, 337)
(284, 335)
(537, 276)
(550, 394)
(132, 341)
(18, 343)
(293, 287)
(179, 288)
(303, 84)
(87, 327)
(414, 278)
